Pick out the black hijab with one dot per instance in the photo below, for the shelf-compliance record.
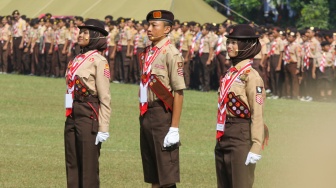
(97, 42)
(247, 49)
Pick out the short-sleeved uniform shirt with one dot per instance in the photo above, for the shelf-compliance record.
(294, 53)
(5, 33)
(249, 88)
(167, 66)
(94, 73)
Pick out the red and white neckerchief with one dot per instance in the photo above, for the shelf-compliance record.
(70, 77)
(200, 52)
(271, 52)
(219, 43)
(225, 86)
(15, 28)
(44, 41)
(181, 42)
(108, 44)
(26, 37)
(119, 47)
(193, 43)
(136, 43)
(287, 56)
(150, 55)
(323, 62)
(306, 56)
(57, 35)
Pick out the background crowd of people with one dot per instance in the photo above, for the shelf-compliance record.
(294, 64)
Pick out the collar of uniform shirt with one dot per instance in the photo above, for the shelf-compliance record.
(161, 43)
(242, 64)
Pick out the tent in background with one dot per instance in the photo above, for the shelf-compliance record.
(184, 10)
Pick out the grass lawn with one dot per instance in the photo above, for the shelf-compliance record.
(301, 151)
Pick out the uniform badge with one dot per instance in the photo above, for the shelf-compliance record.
(91, 59)
(180, 65)
(259, 89)
(259, 99)
(107, 73)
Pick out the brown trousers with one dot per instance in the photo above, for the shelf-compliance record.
(275, 75)
(46, 60)
(291, 80)
(231, 153)
(308, 83)
(111, 62)
(62, 58)
(186, 70)
(17, 55)
(4, 57)
(35, 68)
(81, 153)
(135, 66)
(160, 165)
(204, 72)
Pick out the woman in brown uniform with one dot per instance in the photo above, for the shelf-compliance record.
(240, 126)
(87, 107)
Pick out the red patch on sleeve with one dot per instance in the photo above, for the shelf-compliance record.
(107, 73)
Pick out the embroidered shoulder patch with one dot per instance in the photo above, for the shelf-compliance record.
(259, 89)
(180, 69)
(259, 99)
(107, 71)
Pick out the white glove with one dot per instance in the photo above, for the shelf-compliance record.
(101, 137)
(252, 158)
(172, 137)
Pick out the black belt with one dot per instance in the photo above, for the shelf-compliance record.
(17, 37)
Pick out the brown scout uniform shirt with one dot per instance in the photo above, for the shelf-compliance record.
(279, 47)
(49, 35)
(126, 35)
(19, 26)
(92, 74)
(263, 50)
(294, 53)
(245, 87)
(5, 33)
(63, 35)
(187, 40)
(207, 43)
(315, 47)
(166, 67)
(330, 58)
(112, 36)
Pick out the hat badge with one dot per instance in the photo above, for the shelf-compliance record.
(231, 31)
(157, 14)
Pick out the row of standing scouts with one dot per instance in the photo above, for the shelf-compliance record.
(294, 64)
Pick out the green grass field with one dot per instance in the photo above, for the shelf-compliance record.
(301, 151)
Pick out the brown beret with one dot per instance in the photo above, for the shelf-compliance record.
(162, 15)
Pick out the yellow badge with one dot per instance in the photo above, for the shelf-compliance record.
(180, 64)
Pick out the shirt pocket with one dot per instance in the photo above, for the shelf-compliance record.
(159, 71)
(238, 89)
(83, 74)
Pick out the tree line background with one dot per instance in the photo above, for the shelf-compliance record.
(284, 13)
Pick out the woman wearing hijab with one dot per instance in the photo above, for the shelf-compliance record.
(240, 125)
(88, 107)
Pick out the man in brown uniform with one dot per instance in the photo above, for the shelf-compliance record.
(140, 42)
(312, 48)
(5, 36)
(184, 48)
(292, 59)
(62, 41)
(240, 126)
(111, 47)
(47, 49)
(275, 55)
(205, 53)
(18, 30)
(161, 98)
